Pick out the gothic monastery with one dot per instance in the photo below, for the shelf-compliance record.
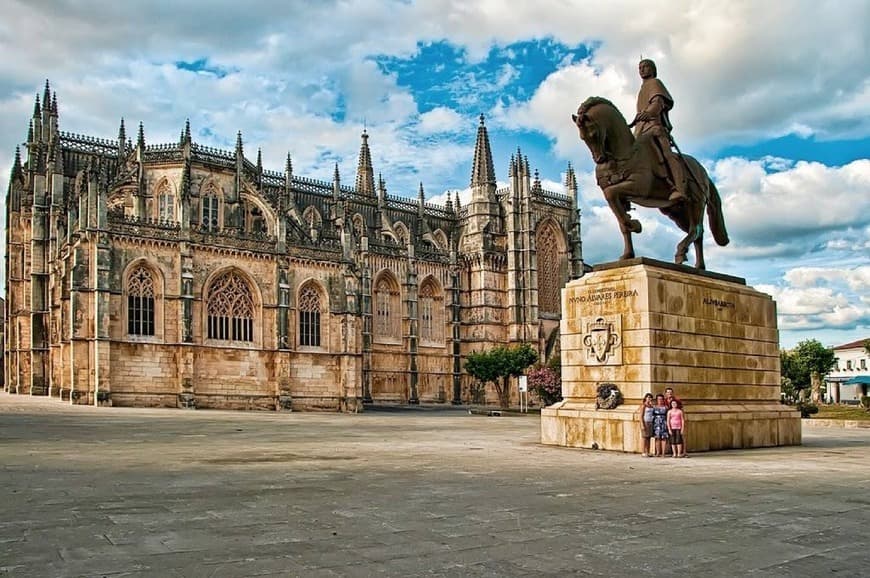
(180, 275)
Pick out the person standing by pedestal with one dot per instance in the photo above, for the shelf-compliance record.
(645, 413)
(660, 425)
(676, 423)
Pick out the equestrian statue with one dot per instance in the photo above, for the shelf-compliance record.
(644, 169)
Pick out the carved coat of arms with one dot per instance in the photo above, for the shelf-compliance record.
(603, 341)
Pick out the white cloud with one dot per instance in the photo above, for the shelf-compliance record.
(440, 120)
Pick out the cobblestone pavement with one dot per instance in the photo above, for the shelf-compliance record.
(137, 492)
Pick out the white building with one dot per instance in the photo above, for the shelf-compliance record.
(848, 382)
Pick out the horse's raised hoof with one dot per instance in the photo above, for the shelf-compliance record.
(634, 226)
(680, 258)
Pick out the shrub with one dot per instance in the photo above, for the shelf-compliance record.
(807, 409)
(865, 402)
(547, 384)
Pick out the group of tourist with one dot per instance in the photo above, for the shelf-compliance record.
(662, 423)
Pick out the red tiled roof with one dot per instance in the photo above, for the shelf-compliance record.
(853, 344)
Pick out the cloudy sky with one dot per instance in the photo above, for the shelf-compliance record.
(773, 97)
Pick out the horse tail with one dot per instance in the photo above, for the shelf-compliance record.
(715, 215)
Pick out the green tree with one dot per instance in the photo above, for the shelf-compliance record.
(808, 362)
(498, 365)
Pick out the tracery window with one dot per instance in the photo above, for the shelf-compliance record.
(431, 313)
(210, 210)
(387, 320)
(165, 204)
(309, 316)
(140, 302)
(549, 269)
(359, 226)
(230, 309)
(401, 233)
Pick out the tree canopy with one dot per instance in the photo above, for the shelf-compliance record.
(498, 365)
(808, 357)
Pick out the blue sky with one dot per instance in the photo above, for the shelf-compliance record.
(782, 126)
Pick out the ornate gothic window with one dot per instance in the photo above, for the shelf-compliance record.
(210, 210)
(549, 269)
(165, 203)
(309, 316)
(387, 316)
(140, 301)
(359, 226)
(431, 303)
(230, 309)
(401, 233)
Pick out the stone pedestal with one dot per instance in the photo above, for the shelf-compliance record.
(645, 325)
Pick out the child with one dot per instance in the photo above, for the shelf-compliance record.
(676, 421)
(660, 425)
(646, 419)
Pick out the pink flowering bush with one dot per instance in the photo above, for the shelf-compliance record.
(547, 383)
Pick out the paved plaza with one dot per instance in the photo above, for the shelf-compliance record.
(138, 492)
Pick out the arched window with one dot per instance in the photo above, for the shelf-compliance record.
(440, 239)
(549, 269)
(230, 309)
(309, 316)
(401, 233)
(359, 226)
(165, 203)
(431, 302)
(210, 218)
(387, 317)
(140, 301)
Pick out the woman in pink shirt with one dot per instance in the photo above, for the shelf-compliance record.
(676, 422)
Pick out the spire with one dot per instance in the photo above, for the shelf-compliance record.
(140, 138)
(382, 189)
(17, 169)
(46, 97)
(37, 109)
(571, 181)
(458, 206)
(122, 140)
(482, 173)
(53, 104)
(536, 185)
(365, 174)
(239, 150)
(288, 171)
(336, 183)
(185, 137)
(512, 169)
(259, 160)
(449, 203)
(30, 132)
(421, 200)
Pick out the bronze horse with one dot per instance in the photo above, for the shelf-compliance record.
(629, 170)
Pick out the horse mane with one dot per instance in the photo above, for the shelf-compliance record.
(594, 101)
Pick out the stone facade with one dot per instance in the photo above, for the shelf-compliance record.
(182, 275)
(645, 325)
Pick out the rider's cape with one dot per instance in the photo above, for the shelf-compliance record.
(651, 88)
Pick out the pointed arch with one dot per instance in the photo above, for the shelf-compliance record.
(312, 307)
(312, 217)
(259, 217)
(359, 226)
(402, 234)
(387, 314)
(431, 305)
(550, 246)
(440, 240)
(231, 307)
(143, 300)
(211, 206)
(165, 201)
